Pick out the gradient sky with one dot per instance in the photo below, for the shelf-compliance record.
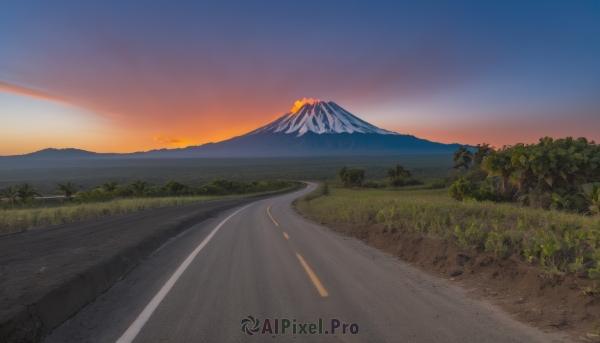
(122, 76)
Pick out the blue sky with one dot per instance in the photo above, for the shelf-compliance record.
(119, 74)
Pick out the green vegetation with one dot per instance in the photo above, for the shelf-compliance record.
(400, 177)
(111, 198)
(27, 196)
(552, 174)
(538, 201)
(351, 177)
(197, 172)
(557, 241)
(395, 177)
(22, 194)
(9, 193)
(68, 190)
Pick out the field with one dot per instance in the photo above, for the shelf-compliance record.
(556, 241)
(196, 172)
(20, 219)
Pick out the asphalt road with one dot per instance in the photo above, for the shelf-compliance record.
(89, 255)
(268, 262)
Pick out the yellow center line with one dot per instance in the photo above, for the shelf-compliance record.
(269, 213)
(313, 277)
(311, 274)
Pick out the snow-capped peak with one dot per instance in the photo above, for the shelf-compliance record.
(319, 117)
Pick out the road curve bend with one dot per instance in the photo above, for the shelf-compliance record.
(226, 278)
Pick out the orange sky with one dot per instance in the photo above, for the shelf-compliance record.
(121, 126)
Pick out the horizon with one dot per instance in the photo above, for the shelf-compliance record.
(87, 77)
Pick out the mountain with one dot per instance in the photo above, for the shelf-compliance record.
(311, 128)
(71, 153)
(309, 115)
(315, 128)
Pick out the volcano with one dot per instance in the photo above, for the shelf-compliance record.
(314, 128)
(309, 115)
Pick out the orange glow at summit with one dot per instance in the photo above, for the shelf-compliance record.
(299, 103)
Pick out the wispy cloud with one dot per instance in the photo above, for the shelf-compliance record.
(33, 93)
(170, 140)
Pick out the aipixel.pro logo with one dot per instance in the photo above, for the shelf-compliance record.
(277, 326)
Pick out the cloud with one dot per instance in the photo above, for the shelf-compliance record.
(33, 93)
(170, 140)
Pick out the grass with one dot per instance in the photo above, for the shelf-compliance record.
(200, 171)
(557, 241)
(21, 219)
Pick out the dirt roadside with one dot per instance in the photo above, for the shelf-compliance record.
(546, 301)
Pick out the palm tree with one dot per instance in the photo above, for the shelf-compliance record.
(483, 150)
(138, 187)
(27, 191)
(9, 193)
(463, 157)
(69, 190)
(110, 186)
(591, 192)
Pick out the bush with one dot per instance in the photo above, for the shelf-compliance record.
(371, 184)
(325, 190)
(462, 189)
(400, 182)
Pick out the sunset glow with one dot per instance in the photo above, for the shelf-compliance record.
(168, 77)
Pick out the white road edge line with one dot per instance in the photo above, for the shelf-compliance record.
(137, 325)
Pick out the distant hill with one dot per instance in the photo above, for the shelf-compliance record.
(68, 153)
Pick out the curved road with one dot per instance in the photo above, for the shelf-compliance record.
(266, 261)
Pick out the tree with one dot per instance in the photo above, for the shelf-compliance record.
(355, 176)
(110, 186)
(351, 177)
(341, 174)
(27, 191)
(138, 187)
(68, 190)
(483, 151)
(463, 158)
(9, 193)
(173, 186)
(398, 172)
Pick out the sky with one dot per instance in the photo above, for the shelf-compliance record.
(124, 76)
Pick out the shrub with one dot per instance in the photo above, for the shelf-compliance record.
(325, 189)
(462, 189)
(371, 184)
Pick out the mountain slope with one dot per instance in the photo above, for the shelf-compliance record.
(319, 117)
